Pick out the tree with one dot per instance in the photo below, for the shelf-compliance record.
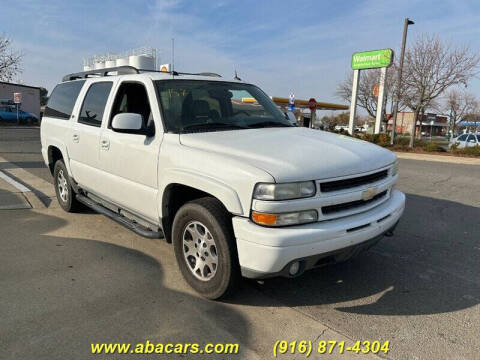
(430, 68)
(459, 104)
(333, 120)
(43, 96)
(9, 60)
(365, 96)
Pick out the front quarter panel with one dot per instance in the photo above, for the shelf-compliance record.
(228, 179)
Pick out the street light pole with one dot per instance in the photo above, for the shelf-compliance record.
(399, 81)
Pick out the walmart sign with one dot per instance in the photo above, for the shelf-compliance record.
(372, 59)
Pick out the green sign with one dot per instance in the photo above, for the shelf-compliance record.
(372, 59)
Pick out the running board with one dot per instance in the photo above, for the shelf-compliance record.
(122, 220)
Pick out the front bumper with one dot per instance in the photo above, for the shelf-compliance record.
(265, 252)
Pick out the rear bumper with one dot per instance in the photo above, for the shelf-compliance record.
(265, 252)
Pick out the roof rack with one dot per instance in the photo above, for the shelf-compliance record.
(124, 70)
(120, 70)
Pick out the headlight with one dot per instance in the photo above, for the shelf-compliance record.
(285, 191)
(284, 219)
(395, 168)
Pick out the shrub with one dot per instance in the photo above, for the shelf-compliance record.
(404, 141)
(432, 147)
(468, 151)
(379, 139)
(383, 139)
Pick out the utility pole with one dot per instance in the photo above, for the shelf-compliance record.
(399, 81)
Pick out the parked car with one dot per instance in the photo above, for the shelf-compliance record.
(238, 192)
(466, 140)
(8, 114)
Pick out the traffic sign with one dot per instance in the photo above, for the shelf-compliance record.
(312, 104)
(17, 98)
(372, 59)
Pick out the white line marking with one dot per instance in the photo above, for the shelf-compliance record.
(13, 182)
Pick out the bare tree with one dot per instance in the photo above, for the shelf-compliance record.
(366, 98)
(430, 68)
(459, 103)
(9, 60)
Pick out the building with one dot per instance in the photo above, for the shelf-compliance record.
(30, 96)
(430, 124)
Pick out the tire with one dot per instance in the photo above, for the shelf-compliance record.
(218, 271)
(63, 188)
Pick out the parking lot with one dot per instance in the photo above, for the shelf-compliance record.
(69, 280)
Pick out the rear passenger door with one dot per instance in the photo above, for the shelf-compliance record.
(129, 161)
(85, 137)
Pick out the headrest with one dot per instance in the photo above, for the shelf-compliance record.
(201, 108)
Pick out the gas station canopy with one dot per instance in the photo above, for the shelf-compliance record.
(305, 104)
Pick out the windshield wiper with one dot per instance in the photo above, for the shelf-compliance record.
(212, 125)
(269, 124)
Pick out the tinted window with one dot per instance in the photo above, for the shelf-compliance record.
(471, 138)
(94, 104)
(197, 105)
(462, 138)
(61, 102)
(478, 138)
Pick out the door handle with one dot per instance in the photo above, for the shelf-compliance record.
(76, 138)
(105, 144)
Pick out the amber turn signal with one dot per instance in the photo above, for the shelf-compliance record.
(264, 219)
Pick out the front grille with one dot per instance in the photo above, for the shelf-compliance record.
(331, 209)
(353, 182)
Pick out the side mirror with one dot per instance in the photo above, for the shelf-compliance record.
(131, 123)
(291, 117)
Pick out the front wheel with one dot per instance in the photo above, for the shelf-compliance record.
(205, 247)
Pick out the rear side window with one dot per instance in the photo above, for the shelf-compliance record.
(94, 104)
(462, 138)
(63, 98)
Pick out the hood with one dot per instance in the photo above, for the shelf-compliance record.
(294, 154)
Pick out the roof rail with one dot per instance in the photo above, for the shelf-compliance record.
(124, 70)
(208, 74)
(176, 73)
(120, 70)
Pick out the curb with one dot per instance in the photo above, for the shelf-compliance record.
(438, 158)
(30, 195)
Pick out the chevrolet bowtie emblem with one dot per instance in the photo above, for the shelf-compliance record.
(369, 194)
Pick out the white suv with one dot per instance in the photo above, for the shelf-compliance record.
(229, 181)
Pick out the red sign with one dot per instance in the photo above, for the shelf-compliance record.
(312, 104)
(17, 98)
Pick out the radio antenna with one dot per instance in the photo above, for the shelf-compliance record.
(173, 57)
(236, 76)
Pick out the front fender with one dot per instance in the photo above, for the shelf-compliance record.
(226, 194)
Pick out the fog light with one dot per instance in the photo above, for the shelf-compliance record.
(294, 268)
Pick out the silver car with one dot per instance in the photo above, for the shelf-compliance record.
(466, 140)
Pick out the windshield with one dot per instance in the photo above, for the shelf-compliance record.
(199, 105)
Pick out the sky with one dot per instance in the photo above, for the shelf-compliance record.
(281, 46)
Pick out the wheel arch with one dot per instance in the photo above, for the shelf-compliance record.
(176, 194)
(57, 152)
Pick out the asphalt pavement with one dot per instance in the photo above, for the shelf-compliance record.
(69, 280)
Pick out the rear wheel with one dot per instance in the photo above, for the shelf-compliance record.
(205, 247)
(63, 188)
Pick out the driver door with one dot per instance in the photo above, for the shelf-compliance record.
(130, 161)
